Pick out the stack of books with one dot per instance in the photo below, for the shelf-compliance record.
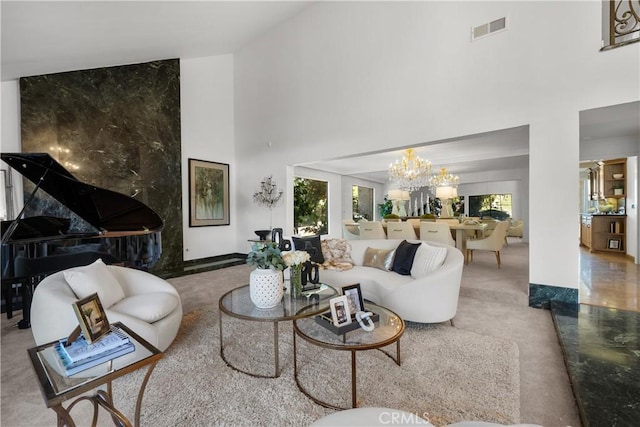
(80, 355)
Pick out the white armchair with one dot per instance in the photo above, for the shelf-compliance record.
(151, 307)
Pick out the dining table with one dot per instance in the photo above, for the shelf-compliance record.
(461, 234)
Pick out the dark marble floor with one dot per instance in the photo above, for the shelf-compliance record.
(202, 265)
(601, 346)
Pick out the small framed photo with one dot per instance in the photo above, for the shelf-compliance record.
(354, 297)
(613, 244)
(340, 313)
(92, 318)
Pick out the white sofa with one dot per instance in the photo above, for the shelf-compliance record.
(145, 296)
(429, 299)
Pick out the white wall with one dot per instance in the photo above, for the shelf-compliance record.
(11, 141)
(346, 77)
(206, 97)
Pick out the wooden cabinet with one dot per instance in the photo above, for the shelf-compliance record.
(614, 174)
(608, 233)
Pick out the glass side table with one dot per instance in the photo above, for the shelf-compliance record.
(57, 388)
(389, 328)
(237, 303)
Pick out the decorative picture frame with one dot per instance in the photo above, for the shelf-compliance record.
(91, 317)
(208, 193)
(613, 244)
(354, 297)
(340, 313)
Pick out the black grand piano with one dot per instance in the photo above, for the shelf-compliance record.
(67, 223)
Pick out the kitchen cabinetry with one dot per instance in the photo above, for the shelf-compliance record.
(605, 229)
(585, 231)
(614, 179)
(608, 233)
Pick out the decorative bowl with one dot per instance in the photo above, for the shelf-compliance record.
(618, 176)
(262, 234)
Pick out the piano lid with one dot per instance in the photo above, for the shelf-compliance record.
(106, 210)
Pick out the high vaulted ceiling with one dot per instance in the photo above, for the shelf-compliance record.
(43, 37)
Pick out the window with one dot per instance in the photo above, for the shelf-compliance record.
(496, 206)
(310, 206)
(620, 23)
(362, 202)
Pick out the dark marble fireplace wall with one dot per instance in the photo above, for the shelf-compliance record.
(121, 127)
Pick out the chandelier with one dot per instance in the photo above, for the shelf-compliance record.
(411, 173)
(443, 179)
(445, 187)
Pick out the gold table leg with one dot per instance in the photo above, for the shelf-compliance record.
(104, 399)
(276, 352)
(354, 398)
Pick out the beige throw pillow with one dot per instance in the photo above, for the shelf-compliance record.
(337, 255)
(379, 258)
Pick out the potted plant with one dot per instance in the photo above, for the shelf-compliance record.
(266, 282)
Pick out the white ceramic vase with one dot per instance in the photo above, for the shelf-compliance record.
(266, 287)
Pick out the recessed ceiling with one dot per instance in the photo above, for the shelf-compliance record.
(613, 121)
(504, 149)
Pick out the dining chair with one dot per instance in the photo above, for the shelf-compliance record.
(492, 243)
(372, 230)
(436, 232)
(450, 221)
(414, 221)
(350, 230)
(401, 230)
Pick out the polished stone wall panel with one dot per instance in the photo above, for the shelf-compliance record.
(541, 295)
(116, 128)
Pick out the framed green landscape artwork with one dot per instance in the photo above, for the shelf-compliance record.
(208, 193)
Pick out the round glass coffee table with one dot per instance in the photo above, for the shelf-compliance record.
(389, 328)
(237, 303)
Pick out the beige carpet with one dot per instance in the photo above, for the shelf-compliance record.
(486, 310)
(448, 373)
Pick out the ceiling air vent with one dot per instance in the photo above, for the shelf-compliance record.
(489, 28)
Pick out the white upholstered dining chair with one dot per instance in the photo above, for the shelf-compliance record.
(492, 243)
(372, 230)
(436, 232)
(401, 230)
(350, 230)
